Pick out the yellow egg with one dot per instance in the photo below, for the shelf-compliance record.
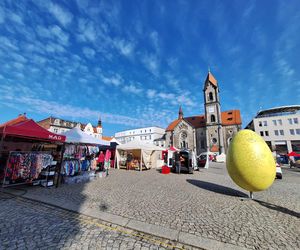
(250, 162)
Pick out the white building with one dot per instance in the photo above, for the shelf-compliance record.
(280, 127)
(58, 126)
(147, 135)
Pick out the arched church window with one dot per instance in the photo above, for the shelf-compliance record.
(214, 140)
(212, 118)
(210, 96)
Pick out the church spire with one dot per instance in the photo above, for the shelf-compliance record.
(99, 122)
(180, 113)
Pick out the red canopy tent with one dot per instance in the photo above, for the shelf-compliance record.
(27, 128)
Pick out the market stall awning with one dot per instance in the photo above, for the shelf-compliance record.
(76, 135)
(28, 128)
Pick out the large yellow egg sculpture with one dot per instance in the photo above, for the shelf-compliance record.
(250, 162)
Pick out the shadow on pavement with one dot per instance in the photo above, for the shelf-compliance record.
(278, 208)
(217, 188)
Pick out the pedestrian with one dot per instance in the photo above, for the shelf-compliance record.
(129, 160)
(100, 161)
(107, 160)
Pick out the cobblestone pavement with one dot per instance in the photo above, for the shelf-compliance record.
(28, 224)
(206, 203)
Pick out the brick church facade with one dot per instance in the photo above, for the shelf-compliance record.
(212, 131)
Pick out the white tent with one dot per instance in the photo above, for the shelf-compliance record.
(148, 153)
(75, 135)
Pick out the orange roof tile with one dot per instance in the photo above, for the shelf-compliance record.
(106, 138)
(231, 117)
(19, 119)
(212, 79)
(172, 125)
(197, 121)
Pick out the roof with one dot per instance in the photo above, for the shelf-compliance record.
(173, 124)
(19, 119)
(282, 109)
(230, 117)
(76, 135)
(196, 121)
(106, 138)
(210, 78)
(29, 129)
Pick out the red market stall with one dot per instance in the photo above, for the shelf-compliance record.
(28, 153)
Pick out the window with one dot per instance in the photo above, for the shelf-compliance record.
(296, 120)
(212, 118)
(274, 122)
(229, 113)
(280, 122)
(265, 123)
(267, 133)
(281, 132)
(141, 137)
(229, 119)
(210, 96)
(260, 123)
(150, 137)
(290, 121)
(55, 130)
(141, 131)
(214, 140)
(149, 130)
(261, 133)
(292, 131)
(298, 131)
(276, 132)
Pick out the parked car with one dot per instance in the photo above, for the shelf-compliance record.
(202, 158)
(278, 171)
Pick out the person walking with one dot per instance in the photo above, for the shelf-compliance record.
(107, 161)
(100, 161)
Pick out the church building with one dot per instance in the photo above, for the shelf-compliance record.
(212, 131)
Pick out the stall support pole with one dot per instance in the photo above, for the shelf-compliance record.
(141, 164)
(60, 167)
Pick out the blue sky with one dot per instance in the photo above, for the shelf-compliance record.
(134, 62)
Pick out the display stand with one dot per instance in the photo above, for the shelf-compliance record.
(47, 175)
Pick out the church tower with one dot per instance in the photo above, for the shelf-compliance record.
(99, 128)
(180, 113)
(212, 107)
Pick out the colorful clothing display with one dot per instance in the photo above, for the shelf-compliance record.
(26, 165)
(71, 167)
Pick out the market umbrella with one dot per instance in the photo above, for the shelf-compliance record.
(293, 154)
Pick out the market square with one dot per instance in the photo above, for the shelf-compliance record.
(205, 205)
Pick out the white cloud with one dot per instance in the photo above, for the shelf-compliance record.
(131, 88)
(54, 48)
(154, 39)
(151, 63)
(126, 48)
(62, 15)
(88, 52)
(62, 36)
(31, 103)
(114, 80)
(6, 43)
(15, 18)
(151, 93)
(87, 30)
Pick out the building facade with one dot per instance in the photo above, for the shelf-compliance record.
(212, 131)
(57, 125)
(147, 135)
(280, 128)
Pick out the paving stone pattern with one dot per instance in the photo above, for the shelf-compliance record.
(27, 224)
(206, 203)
